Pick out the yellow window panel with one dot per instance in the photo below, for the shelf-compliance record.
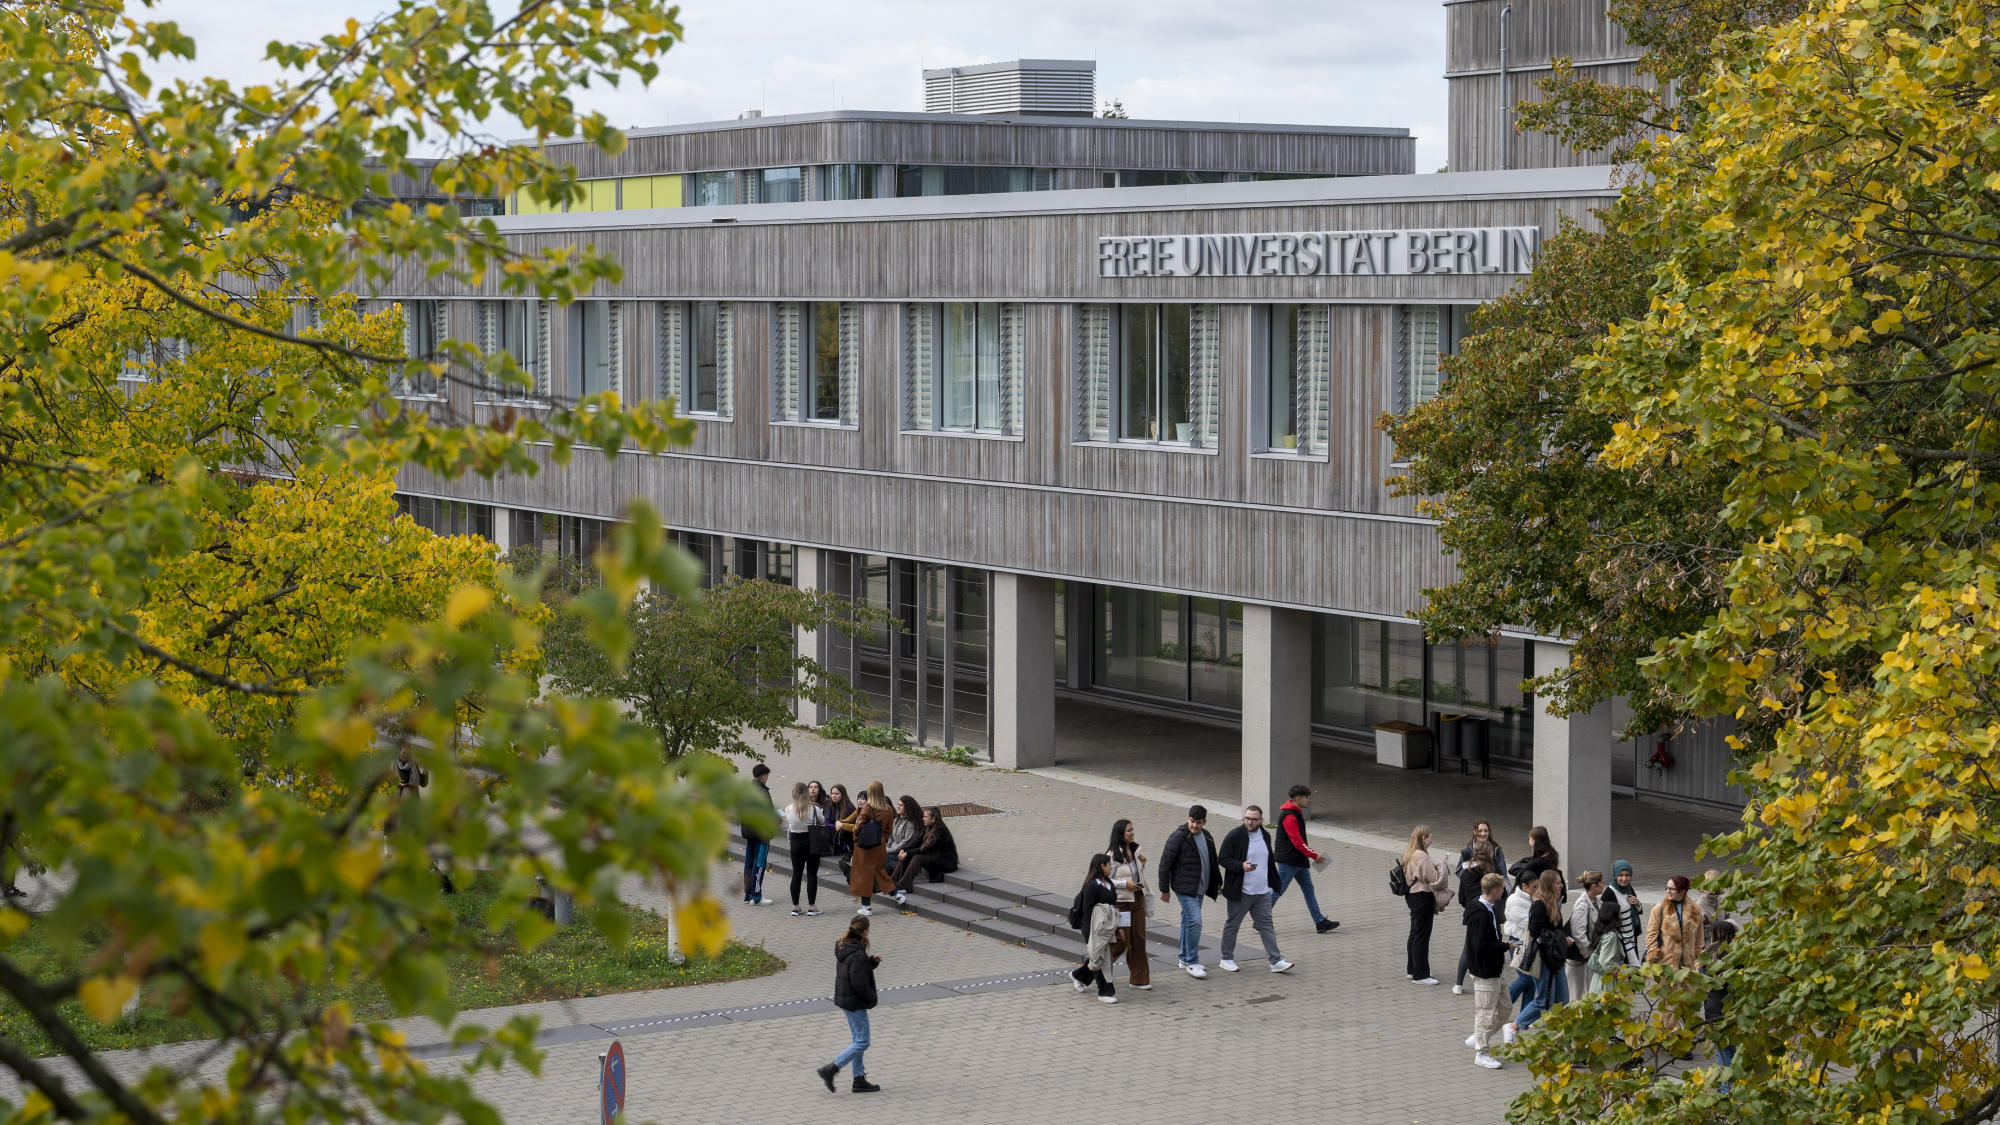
(637, 193)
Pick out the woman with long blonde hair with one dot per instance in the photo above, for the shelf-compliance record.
(1548, 935)
(1429, 892)
(871, 824)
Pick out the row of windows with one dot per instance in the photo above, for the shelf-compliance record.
(801, 183)
(1145, 373)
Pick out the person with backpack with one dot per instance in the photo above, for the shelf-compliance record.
(854, 995)
(1471, 879)
(870, 824)
(1547, 955)
(1486, 947)
(1427, 891)
(1515, 926)
(1189, 869)
(1607, 950)
(1094, 913)
(1246, 884)
(1295, 860)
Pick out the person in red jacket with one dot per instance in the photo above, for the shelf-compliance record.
(1294, 858)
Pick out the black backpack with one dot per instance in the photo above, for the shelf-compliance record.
(1079, 913)
(1399, 883)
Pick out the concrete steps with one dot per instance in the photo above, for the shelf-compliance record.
(986, 905)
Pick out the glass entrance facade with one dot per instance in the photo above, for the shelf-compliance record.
(925, 670)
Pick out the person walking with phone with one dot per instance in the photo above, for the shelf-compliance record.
(869, 875)
(1190, 870)
(799, 817)
(1425, 878)
(1294, 859)
(1246, 885)
(1128, 879)
(854, 994)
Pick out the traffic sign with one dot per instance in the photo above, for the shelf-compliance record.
(611, 1082)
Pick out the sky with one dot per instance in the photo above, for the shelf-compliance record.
(1316, 62)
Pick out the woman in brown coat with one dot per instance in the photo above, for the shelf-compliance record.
(1674, 932)
(871, 822)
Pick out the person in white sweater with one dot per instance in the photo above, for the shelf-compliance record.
(1515, 929)
(797, 819)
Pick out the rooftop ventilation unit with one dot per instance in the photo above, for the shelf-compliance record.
(1043, 87)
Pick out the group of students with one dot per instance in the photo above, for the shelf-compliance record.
(880, 847)
(1557, 945)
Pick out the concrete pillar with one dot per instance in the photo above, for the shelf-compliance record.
(808, 573)
(1277, 704)
(1573, 775)
(1022, 686)
(503, 529)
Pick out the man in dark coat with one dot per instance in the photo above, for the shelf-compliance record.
(1189, 869)
(1486, 959)
(1246, 883)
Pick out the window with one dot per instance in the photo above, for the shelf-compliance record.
(696, 364)
(1148, 373)
(952, 179)
(600, 347)
(965, 360)
(1296, 360)
(816, 352)
(1426, 334)
(1170, 646)
(150, 359)
(598, 195)
(845, 181)
(520, 329)
(448, 517)
(714, 189)
(1156, 178)
(637, 193)
(777, 185)
(423, 331)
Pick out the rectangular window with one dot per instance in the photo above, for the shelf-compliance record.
(823, 355)
(1154, 354)
(697, 342)
(520, 330)
(816, 359)
(448, 517)
(152, 358)
(600, 346)
(1295, 362)
(638, 193)
(714, 189)
(778, 185)
(957, 179)
(846, 181)
(966, 359)
(423, 331)
(1426, 335)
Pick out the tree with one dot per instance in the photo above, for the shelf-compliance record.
(1823, 332)
(704, 670)
(199, 565)
(1114, 108)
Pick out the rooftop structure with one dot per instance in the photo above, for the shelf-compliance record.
(1045, 87)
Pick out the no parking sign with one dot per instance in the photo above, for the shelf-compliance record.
(611, 1082)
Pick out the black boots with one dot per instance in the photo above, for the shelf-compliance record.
(863, 1086)
(826, 1074)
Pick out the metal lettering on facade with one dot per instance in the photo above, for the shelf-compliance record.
(1332, 253)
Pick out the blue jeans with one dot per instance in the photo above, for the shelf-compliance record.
(1522, 988)
(1727, 1057)
(755, 857)
(1190, 928)
(1553, 990)
(1301, 874)
(857, 1026)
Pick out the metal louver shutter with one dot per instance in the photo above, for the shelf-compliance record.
(667, 351)
(488, 342)
(544, 348)
(785, 360)
(850, 362)
(614, 326)
(399, 379)
(1205, 371)
(1315, 356)
(1418, 366)
(725, 359)
(919, 364)
(1013, 363)
(1093, 373)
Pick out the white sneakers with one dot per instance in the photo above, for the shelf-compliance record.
(1486, 1060)
(1107, 999)
(901, 898)
(1472, 1041)
(1426, 980)
(1280, 965)
(864, 912)
(1458, 990)
(1229, 966)
(1195, 970)
(1226, 965)
(1508, 1033)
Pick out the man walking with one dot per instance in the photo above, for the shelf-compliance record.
(1189, 869)
(1246, 883)
(1486, 959)
(756, 849)
(1294, 858)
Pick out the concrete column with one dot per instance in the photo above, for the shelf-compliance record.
(1277, 704)
(1022, 685)
(1573, 775)
(808, 573)
(503, 529)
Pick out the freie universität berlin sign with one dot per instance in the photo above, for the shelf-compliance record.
(1329, 253)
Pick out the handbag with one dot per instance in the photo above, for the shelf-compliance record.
(868, 834)
(819, 839)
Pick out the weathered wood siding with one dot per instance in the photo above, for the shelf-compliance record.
(1538, 33)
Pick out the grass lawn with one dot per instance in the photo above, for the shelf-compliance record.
(575, 961)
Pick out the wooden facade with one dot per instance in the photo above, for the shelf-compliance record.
(1538, 32)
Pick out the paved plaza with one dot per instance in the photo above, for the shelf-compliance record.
(999, 1036)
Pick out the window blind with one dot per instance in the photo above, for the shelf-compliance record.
(1093, 373)
(1205, 372)
(785, 361)
(725, 359)
(1417, 366)
(1013, 363)
(670, 351)
(919, 364)
(850, 362)
(1315, 359)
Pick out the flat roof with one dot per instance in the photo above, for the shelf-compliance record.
(1022, 119)
(1596, 180)
(1012, 65)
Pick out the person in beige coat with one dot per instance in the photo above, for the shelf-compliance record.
(1674, 930)
(1430, 892)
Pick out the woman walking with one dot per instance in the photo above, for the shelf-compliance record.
(1477, 864)
(1549, 943)
(1128, 880)
(870, 824)
(799, 818)
(935, 854)
(853, 994)
(1429, 892)
(903, 839)
(1099, 902)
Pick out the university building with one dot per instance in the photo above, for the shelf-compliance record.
(1089, 406)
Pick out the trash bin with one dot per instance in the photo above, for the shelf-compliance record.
(1447, 734)
(1405, 746)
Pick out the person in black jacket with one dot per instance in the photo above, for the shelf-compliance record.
(853, 994)
(1246, 883)
(1189, 869)
(1486, 958)
(935, 853)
